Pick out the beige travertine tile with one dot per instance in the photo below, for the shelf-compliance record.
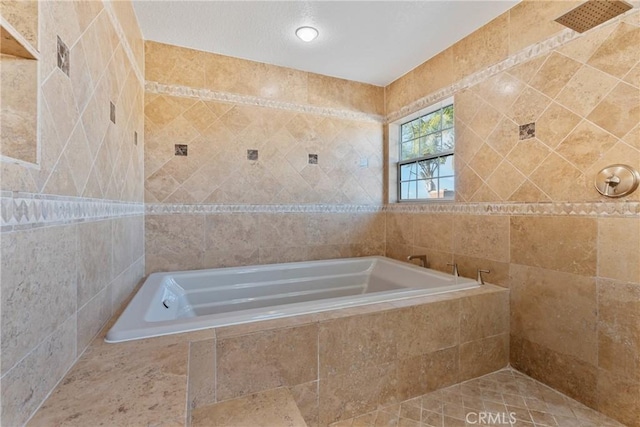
(565, 373)
(31, 308)
(434, 74)
(201, 381)
(400, 228)
(19, 85)
(399, 93)
(585, 90)
(483, 356)
(504, 137)
(505, 180)
(528, 107)
(554, 74)
(358, 392)
(500, 91)
(584, 46)
(442, 368)
(467, 144)
(158, 369)
(528, 192)
(555, 124)
(23, 16)
(306, 398)
(619, 328)
(466, 104)
(525, 71)
(551, 176)
(633, 76)
(345, 94)
(482, 316)
(555, 243)
(268, 408)
(619, 52)
(623, 104)
(527, 155)
(468, 182)
(353, 343)
(482, 236)
(618, 397)
(578, 146)
(434, 232)
(485, 46)
(618, 249)
(485, 161)
(505, 391)
(94, 272)
(425, 328)
(26, 385)
(92, 317)
(284, 357)
(411, 377)
(543, 13)
(563, 318)
(485, 194)
(485, 120)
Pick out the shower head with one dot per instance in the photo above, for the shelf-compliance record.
(592, 13)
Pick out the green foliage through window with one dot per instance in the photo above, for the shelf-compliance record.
(426, 167)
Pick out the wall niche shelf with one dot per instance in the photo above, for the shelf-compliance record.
(19, 88)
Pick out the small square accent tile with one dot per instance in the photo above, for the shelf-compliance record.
(63, 56)
(135, 138)
(252, 154)
(181, 149)
(527, 131)
(112, 112)
(313, 159)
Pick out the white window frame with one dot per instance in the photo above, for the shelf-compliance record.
(395, 161)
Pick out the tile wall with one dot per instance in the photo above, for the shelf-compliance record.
(306, 149)
(72, 223)
(570, 256)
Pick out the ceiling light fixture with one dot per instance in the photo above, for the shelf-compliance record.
(306, 34)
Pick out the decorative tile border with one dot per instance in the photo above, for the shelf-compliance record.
(211, 95)
(520, 57)
(27, 210)
(558, 209)
(169, 209)
(554, 208)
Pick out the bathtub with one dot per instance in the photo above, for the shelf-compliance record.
(176, 302)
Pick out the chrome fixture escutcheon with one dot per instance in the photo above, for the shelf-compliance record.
(617, 180)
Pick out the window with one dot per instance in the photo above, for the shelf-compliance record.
(425, 169)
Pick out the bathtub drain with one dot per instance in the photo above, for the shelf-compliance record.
(165, 303)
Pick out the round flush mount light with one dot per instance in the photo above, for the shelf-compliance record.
(307, 34)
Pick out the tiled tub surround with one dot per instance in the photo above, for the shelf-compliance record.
(72, 226)
(249, 235)
(327, 360)
(575, 292)
(569, 255)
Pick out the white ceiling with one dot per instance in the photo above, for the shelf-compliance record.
(368, 41)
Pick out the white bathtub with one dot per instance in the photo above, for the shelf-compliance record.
(170, 303)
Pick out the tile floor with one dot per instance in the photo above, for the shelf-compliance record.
(499, 394)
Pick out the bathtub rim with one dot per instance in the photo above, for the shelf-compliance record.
(133, 314)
